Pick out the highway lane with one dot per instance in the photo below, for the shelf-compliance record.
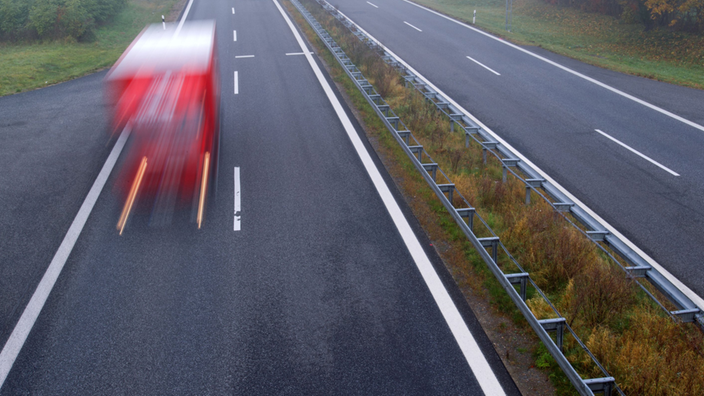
(52, 144)
(315, 294)
(551, 116)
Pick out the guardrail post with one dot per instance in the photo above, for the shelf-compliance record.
(393, 121)
(493, 243)
(432, 169)
(405, 135)
(454, 118)
(468, 131)
(418, 151)
(558, 326)
(637, 271)
(487, 146)
(563, 206)
(469, 214)
(534, 183)
(597, 236)
(506, 162)
(447, 188)
(521, 279)
(604, 385)
(686, 315)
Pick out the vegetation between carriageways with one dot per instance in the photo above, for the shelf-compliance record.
(644, 349)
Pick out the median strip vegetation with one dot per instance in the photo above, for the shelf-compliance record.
(634, 339)
(64, 51)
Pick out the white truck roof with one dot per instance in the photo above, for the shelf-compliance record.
(157, 50)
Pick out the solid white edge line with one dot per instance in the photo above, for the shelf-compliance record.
(576, 73)
(696, 299)
(237, 84)
(373, 5)
(468, 345)
(412, 26)
(234, 35)
(31, 312)
(483, 65)
(634, 151)
(243, 56)
(183, 19)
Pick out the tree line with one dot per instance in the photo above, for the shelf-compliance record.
(685, 15)
(54, 19)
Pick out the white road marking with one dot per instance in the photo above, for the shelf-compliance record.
(233, 10)
(238, 204)
(580, 75)
(468, 345)
(183, 19)
(412, 26)
(698, 301)
(297, 53)
(373, 5)
(640, 154)
(244, 56)
(36, 303)
(482, 65)
(234, 35)
(237, 84)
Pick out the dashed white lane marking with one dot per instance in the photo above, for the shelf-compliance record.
(237, 84)
(238, 204)
(468, 345)
(483, 65)
(297, 53)
(234, 35)
(244, 56)
(412, 26)
(233, 10)
(373, 5)
(580, 75)
(638, 153)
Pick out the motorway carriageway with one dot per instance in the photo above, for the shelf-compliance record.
(307, 277)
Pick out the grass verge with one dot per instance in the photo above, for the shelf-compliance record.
(645, 350)
(600, 40)
(30, 66)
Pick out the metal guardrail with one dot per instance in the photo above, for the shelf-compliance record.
(637, 266)
(465, 216)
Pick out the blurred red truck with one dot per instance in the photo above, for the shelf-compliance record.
(165, 89)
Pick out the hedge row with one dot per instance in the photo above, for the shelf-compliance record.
(687, 15)
(54, 19)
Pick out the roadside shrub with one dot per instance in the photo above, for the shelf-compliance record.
(599, 294)
(54, 19)
(646, 358)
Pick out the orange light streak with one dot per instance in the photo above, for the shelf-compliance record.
(131, 197)
(203, 187)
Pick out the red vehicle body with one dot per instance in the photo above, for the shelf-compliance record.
(165, 88)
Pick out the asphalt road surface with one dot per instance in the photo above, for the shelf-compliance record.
(314, 291)
(552, 116)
